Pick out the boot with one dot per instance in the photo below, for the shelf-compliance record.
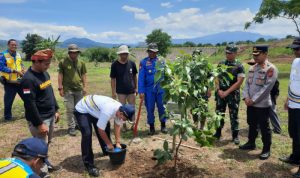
(235, 137)
(152, 130)
(163, 129)
(265, 154)
(248, 146)
(218, 133)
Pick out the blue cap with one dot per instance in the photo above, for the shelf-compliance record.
(128, 111)
(34, 147)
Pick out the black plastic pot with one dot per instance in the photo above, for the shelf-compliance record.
(117, 158)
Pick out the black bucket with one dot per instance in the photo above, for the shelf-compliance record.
(117, 158)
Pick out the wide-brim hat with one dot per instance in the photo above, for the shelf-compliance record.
(123, 49)
(73, 48)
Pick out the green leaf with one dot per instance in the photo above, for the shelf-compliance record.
(166, 145)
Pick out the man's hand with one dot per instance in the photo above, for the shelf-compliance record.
(114, 95)
(57, 117)
(61, 92)
(222, 94)
(118, 145)
(110, 147)
(19, 72)
(248, 102)
(43, 129)
(286, 105)
(142, 96)
(84, 91)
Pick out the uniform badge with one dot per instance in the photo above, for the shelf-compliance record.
(148, 63)
(69, 67)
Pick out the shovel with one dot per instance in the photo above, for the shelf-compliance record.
(135, 131)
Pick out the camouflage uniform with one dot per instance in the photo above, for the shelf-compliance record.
(233, 99)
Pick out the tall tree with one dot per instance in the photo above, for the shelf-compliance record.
(271, 9)
(30, 43)
(162, 39)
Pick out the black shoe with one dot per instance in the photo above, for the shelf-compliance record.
(247, 146)
(164, 130)
(290, 160)
(218, 134)
(151, 132)
(44, 175)
(236, 140)
(72, 132)
(93, 171)
(264, 155)
(52, 168)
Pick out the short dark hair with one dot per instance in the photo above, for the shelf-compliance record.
(10, 40)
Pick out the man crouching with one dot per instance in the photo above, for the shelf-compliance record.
(98, 110)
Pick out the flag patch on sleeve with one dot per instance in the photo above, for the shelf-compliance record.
(26, 91)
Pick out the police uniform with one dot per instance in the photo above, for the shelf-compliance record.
(11, 80)
(153, 91)
(236, 69)
(260, 81)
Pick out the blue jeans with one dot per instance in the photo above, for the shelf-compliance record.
(85, 122)
(10, 91)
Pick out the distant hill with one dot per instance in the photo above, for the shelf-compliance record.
(224, 37)
(85, 43)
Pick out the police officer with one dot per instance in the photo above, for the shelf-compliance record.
(28, 158)
(11, 69)
(228, 91)
(151, 91)
(292, 104)
(256, 94)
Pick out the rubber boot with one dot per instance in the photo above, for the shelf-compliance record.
(152, 129)
(163, 129)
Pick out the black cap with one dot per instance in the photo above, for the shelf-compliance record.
(257, 49)
(153, 47)
(231, 48)
(295, 44)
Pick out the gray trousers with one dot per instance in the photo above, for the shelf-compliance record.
(47, 138)
(71, 98)
(275, 121)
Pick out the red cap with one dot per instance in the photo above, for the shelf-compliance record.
(42, 55)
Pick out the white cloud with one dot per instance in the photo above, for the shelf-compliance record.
(18, 29)
(12, 1)
(166, 4)
(139, 13)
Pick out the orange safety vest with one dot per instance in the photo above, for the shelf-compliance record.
(13, 64)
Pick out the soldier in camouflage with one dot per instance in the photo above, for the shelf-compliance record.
(228, 91)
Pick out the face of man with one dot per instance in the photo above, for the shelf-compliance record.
(73, 55)
(42, 66)
(152, 54)
(36, 164)
(230, 56)
(260, 58)
(12, 46)
(297, 52)
(123, 57)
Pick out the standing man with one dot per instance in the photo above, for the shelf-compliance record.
(98, 110)
(292, 104)
(123, 78)
(275, 121)
(72, 83)
(11, 69)
(228, 92)
(151, 91)
(28, 158)
(256, 94)
(41, 109)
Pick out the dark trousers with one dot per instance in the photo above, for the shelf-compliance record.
(85, 122)
(259, 117)
(294, 132)
(10, 91)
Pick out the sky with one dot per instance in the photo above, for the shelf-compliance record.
(129, 21)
